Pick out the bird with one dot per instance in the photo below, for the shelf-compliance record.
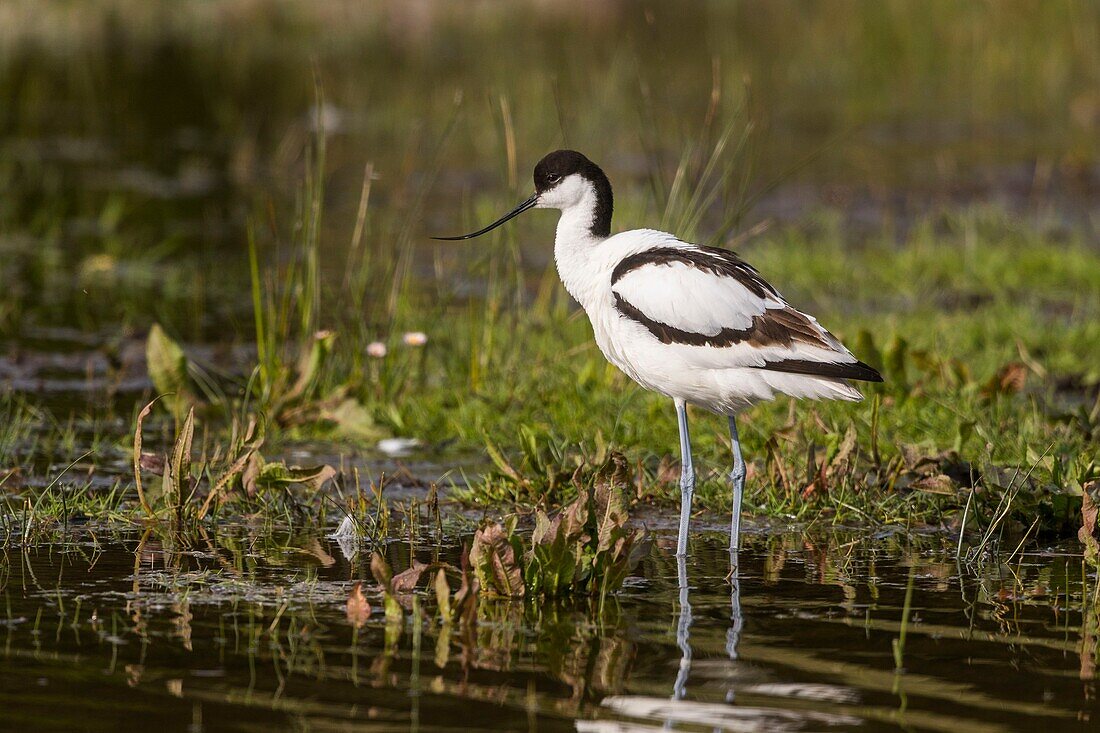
(694, 323)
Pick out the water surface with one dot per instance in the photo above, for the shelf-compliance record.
(248, 631)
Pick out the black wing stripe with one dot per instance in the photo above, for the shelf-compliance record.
(667, 334)
(721, 262)
(838, 370)
(774, 327)
(756, 335)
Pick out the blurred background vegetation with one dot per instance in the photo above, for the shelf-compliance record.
(155, 130)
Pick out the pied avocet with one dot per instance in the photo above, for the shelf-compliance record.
(697, 324)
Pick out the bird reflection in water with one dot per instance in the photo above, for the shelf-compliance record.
(684, 622)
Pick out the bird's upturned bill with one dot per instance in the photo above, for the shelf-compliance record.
(529, 203)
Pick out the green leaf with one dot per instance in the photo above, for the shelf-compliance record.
(867, 351)
(277, 475)
(443, 596)
(167, 365)
(352, 420)
(896, 359)
(310, 365)
(180, 467)
(610, 502)
(501, 462)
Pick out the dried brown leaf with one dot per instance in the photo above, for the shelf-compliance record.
(843, 460)
(1009, 379)
(936, 484)
(381, 571)
(406, 580)
(358, 608)
(494, 560)
(137, 457)
(152, 463)
(1090, 508)
(251, 474)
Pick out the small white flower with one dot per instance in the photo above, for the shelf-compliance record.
(376, 349)
(415, 338)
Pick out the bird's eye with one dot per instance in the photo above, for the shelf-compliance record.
(553, 177)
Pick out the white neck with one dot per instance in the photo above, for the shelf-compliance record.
(577, 249)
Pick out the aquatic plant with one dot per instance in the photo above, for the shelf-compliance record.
(237, 471)
(588, 548)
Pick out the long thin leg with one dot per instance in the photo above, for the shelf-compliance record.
(683, 631)
(737, 477)
(687, 478)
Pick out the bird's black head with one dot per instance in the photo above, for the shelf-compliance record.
(558, 166)
(568, 181)
(555, 166)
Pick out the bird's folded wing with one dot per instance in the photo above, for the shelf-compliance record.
(712, 300)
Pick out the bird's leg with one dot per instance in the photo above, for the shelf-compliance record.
(687, 478)
(683, 631)
(737, 477)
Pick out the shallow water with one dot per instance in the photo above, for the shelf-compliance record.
(248, 631)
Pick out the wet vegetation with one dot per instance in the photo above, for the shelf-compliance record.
(248, 411)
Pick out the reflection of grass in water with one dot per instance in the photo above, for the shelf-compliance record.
(250, 620)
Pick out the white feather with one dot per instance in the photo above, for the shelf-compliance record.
(690, 299)
(723, 379)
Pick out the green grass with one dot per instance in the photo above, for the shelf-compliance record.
(308, 247)
(967, 299)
